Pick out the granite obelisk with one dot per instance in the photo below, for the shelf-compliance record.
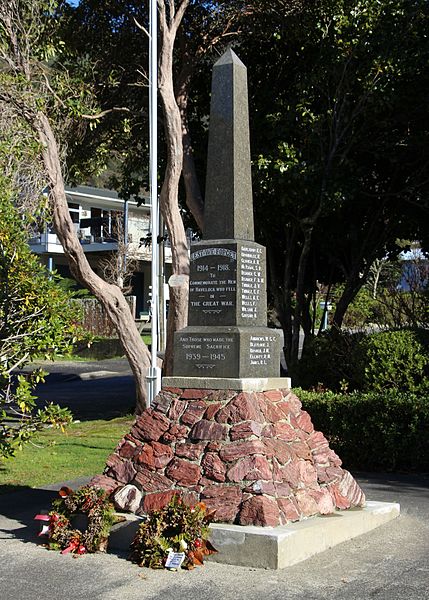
(227, 334)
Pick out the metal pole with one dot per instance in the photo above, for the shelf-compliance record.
(124, 266)
(161, 281)
(154, 374)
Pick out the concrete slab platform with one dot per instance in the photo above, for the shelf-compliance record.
(248, 384)
(278, 547)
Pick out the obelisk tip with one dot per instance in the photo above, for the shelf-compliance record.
(229, 57)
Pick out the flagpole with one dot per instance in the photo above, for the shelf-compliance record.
(154, 373)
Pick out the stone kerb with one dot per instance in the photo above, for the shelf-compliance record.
(254, 457)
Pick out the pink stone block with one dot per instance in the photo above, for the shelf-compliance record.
(261, 511)
(208, 430)
(339, 500)
(237, 450)
(288, 510)
(272, 413)
(224, 499)
(176, 432)
(284, 431)
(291, 474)
(213, 467)
(157, 501)
(351, 490)
(245, 430)
(243, 408)
(121, 470)
(323, 498)
(212, 410)
(184, 472)
(301, 450)
(190, 450)
(105, 483)
(194, 412)
(151, 425)
(176, 409)
(155, 455)
(189, 394)
(278, 448)
(304, 422)
(317, 440)
(307, 505)
(273, 395)
(250, 468)
(150, 481)
(127, 449)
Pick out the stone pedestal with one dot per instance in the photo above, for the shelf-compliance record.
(254, 457)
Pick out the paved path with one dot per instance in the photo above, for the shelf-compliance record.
(389, 563)
(91, 389)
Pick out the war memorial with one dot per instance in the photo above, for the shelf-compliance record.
(225, 429)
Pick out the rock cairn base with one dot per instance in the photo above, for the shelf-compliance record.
(254, 457)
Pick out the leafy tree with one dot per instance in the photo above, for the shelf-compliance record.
(36, 319)
(339, 145)
(38, 90)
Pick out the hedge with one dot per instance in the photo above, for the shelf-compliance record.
(373, 431)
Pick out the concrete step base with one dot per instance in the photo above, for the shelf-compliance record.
(278, 547)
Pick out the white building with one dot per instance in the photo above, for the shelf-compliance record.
(96, 213)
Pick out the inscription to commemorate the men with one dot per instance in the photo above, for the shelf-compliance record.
(227, 284)
(213, 283)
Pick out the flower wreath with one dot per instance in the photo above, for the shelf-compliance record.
(87, 500)
(176, 528)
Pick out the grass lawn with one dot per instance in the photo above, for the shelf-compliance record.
(53, 457)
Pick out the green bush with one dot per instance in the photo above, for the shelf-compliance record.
(337, 360)
(396, 359)
(382, 431)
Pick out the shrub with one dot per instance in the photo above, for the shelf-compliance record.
(396, 359)
(386, 430)
(36, 319)
(376, 361)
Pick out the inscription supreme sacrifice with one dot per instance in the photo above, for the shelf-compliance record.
(223, 354)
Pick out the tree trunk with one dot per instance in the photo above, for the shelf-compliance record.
(177, 314)
(108, 294)
(194, 199)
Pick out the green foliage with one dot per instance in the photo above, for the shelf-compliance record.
(396, 360)
(378, 430)
(36, 318)
(178, 527)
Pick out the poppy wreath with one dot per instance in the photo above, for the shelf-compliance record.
(95, 505)
(177, 527)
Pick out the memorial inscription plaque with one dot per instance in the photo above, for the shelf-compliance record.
(227, 284)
